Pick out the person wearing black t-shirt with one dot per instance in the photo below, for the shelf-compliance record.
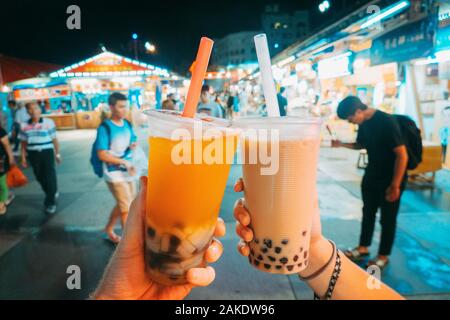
(385, 176)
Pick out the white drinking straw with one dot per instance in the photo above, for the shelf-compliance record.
(265, 69)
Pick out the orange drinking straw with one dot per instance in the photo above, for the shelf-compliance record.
(198, 75)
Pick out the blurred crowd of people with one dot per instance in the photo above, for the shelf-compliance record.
(227, 104)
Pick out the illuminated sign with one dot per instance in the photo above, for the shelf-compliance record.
(338, 66)
(412, 41)
(109, 64)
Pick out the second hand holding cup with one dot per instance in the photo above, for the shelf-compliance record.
(281, 199)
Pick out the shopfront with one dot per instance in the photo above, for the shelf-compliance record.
(401, 67)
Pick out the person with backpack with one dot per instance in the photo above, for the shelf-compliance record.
(385, 177)
(111, 158)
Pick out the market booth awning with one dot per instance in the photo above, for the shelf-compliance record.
(14, 69)
(108, 64)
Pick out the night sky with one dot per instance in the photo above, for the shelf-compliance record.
(37, 29)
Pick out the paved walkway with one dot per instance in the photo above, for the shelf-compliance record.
(35, 250)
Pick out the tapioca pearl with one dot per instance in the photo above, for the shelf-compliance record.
(272, 258)
(264, 250)
(278, 267)
(277, 250)
(256, 241)
(151, 232)
(174, 243)
(290, 268)
(260, 258)
(268, 243)
(267, 266)
(256, 262)
(296, 258)
(306, 262)
(305, 254)
(304, 233)
(299, 265)
(301, 249)
(284, 260)
(284, 241)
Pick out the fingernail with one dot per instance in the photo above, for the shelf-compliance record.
(214, 249)
(195, 274)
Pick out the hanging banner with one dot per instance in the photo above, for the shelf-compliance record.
(42, 93)
(412, 41)
(443, 39)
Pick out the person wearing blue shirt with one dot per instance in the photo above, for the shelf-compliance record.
(444, 132)
(207, 105)
(282, 102)
(115, 141)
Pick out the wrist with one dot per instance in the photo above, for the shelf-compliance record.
(319, 254)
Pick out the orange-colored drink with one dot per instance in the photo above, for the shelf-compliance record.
(187, 179)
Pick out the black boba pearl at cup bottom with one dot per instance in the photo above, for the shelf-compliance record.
(299, 265)
(295, 258)
(285, 242)
(305, 254)
(174, 243)
(256, 262)
(264, 250)
(271, 258)
(278, 267)
(301, 249)
(256, 241)
(277, 250)
(267, 266)
(151, 232)
(290, 268)
(284, 260)
(260, 258)
(304, 233)
(268, 243)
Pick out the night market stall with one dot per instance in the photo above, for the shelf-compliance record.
(76, 96)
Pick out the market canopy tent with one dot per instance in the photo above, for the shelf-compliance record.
(107, 64)
(14, 69)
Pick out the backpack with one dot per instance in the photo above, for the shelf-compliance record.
(97, 164)
(413, 140)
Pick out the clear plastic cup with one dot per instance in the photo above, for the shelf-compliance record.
(280, 194)
(185, 190)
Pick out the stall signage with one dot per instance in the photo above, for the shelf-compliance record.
(335, 67)
(108, 64)
(41, 93)
(409, 42)
(443, 39)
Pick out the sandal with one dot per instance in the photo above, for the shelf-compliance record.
(355, 254)
(380, 263)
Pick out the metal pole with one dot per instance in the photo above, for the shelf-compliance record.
(135, 50)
